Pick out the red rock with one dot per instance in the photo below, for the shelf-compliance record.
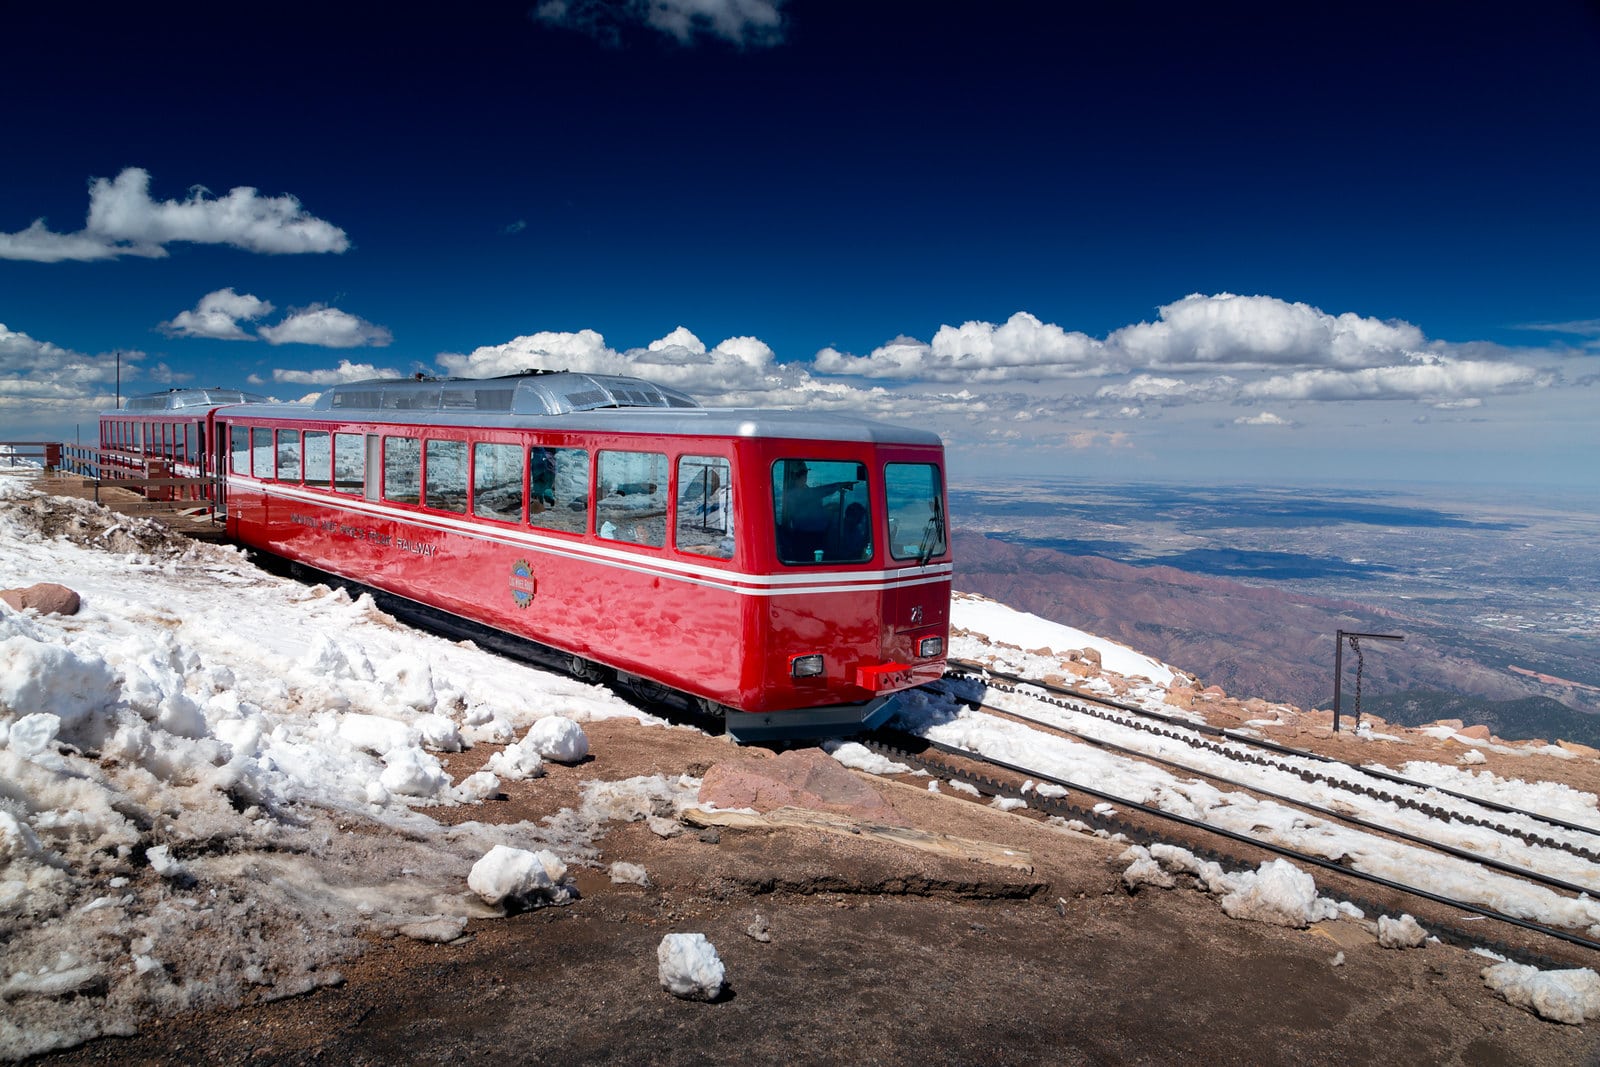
(1477, 733)
(804, 778)
(47, 598)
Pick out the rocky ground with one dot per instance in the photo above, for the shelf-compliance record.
(875, 953)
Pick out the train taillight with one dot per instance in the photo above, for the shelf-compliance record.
(929, 647)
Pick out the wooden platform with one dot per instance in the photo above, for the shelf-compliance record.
(187, 517)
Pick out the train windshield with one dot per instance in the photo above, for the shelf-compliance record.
(823, 511)
(916, 511)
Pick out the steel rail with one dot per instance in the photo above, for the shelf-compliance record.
(970, 667)
(1245, 839)
(1306, 805)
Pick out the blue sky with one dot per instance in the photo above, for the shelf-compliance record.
(1132, 240)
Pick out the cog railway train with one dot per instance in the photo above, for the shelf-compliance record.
(788, 570)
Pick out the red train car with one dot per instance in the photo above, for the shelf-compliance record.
(791, 570)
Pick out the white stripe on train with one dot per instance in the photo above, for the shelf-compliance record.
(694, 574)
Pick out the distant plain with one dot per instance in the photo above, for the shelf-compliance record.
(1505, 578)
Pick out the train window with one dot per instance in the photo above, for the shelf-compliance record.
(349, 462)
(497, 482)
(261, 452)
(289, 455)
(318, 461)
(240, 457)
(447, 476)
(916, 510)
(632, 505)
(705, 507)
(823, 511)
(402, 470)
(191, 450)
(558, 489)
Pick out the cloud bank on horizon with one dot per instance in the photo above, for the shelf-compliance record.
(1221, 348)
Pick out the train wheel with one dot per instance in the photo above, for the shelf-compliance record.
(585, 670)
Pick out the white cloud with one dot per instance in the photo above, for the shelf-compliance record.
(43, 385)
(738, 369)
(217, 316)
(1022, 347)
(124, 221)
(1261, 331)
(1266, 418)
(328, 327)
(344, 372)
(1437, 380)
(1154, 388)
(741, 22)
(1581, 327)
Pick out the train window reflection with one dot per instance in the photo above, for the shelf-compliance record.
(447, 476)
(239, 452)
(705, 507)
(402, 470)
(317, 459)
(632, 504)
(349, 462)
(916, 510)
(289, 455)
(558, 489)
(823, 511)
(497, 482)
(261, 457)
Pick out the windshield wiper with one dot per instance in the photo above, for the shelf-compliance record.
(932, 534)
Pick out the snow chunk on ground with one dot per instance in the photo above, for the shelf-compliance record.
(519, 876)
(1278, 893)
(689, 967)
(858, 756)
(412, 772)
(1404, 932)
(516, 762)
(557, 738)
(1562, 996)
(628, 874)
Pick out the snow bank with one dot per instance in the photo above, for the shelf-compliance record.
(1561, 996)
(1009, 626)
(689, 967)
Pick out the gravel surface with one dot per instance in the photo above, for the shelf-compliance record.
(876, 954)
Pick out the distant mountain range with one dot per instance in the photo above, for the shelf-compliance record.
(1258, 641)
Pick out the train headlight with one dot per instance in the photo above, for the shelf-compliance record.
(930, 646)
(806, 666)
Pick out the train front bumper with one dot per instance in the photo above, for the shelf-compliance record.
(832, 720)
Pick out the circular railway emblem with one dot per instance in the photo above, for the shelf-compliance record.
(523, 584)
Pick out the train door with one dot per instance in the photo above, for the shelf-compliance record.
(218, 461)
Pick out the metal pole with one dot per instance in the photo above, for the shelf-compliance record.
(1338, 673)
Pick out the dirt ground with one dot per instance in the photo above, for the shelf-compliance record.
(877, 954)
